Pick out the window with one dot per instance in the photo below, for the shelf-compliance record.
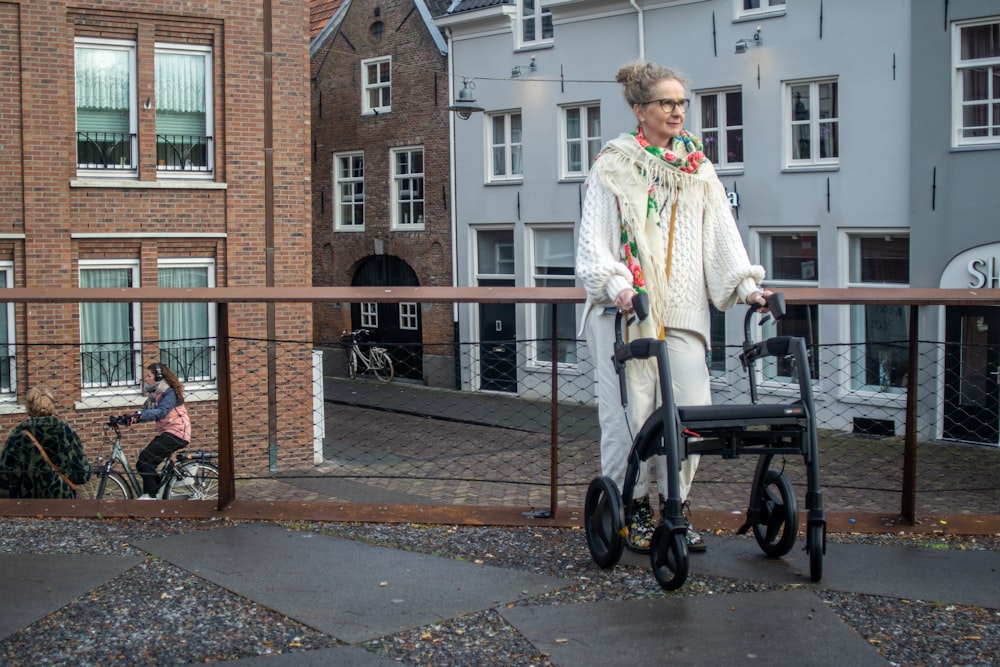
(716, 354)
(747, 8)
(187, 329)
(110, 355)
(8, 353)
(105, 112)
(349, 191)
(505, 147)
(791, 259)
(408, 316)
(369, 315)
(879, 333)
(581, 138)
(376, 85)
(814, 127)
(536, 23)
(976, 87)
(408, 188)
(184, 124)
(721, 131)
(552, 266)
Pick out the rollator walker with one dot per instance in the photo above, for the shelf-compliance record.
(729, 430)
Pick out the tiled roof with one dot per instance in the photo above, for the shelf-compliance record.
(468, 5)
(320, 12)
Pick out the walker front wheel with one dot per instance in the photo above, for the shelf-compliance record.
(668, 556)
(815, 545)
(778, 521)
(604, 521)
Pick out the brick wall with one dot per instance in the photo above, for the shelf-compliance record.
(69, 216)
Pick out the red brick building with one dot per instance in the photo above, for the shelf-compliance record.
(380, 168)
(156, 144)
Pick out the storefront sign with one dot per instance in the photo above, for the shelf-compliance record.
(978, 268)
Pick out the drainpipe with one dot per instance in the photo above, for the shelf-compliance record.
(454, 213)
(642, 30)
(272, 365)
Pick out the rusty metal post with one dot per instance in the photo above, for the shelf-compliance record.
(909, 500)
(554, 426)
(227, 467)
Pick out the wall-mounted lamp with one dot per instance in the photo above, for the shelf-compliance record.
(743, 45)
(518, 70)
(148, 103)
(465, 103)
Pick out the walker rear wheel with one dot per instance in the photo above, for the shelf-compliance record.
(778, 522)
(668, 556)
(604, 521)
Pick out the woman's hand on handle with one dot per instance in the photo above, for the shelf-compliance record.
(623, 302)
(758, 298)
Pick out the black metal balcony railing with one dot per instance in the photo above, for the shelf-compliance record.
(109, 365)
(8, 383)
(105, 150)
(191, 360)
(183, 152)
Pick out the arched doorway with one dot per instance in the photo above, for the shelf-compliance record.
(395, 326)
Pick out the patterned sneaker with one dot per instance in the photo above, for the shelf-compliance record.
(694, 539)
(640, 529)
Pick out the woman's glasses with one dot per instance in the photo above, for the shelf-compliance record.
(668, 106)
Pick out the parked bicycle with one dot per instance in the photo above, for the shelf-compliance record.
(184, 476)
(377, 360)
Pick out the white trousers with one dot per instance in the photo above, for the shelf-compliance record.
(690, 383)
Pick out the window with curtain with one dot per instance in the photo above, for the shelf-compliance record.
(408, 188)
(553, 266)
(183, 109)
(349, 191)
(747, 8)
(376, 85)
(505, 147)
(721, 127)
(187, 329)
(105, 113)
(109, 344)
(582, 139)
(536, 23)
(8, 356)
(879, 333)
(812, 112)
(791, 259)
(977, 83)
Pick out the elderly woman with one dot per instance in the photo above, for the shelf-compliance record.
(656, 219)
(43, 457)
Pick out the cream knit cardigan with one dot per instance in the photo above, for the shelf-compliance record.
(707, 261)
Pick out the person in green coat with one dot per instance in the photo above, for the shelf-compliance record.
(43, 457)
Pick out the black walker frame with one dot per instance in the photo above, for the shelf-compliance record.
(765, 430)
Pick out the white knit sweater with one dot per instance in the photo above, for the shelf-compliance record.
(707, 260)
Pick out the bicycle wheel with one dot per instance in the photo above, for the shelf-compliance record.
(778, 523)
(112, 487)
(382, 365)
(352, 364)
(193, 480)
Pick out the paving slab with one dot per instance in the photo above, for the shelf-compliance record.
(346, 589)
(790, 627)
(35, 585)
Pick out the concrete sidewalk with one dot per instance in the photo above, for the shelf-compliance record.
(367, 591)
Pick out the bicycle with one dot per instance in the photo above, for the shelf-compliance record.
(183, 476)
(377, 360)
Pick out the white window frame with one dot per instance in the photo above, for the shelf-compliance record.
(369, 315)
(132, 170)
(7, 270)
(207, 172)
(511, 152)
(958, 87)
(408, 317)
(380, 86)
(722, 129)
(538, 279)
(765, 8)
(535, 16)
(412, 219)
(127, 389)
(850, 240)
(815, 124)
(339, 222)
(208, 264)
(586, 144)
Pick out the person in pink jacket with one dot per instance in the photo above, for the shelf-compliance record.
(164, 406)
